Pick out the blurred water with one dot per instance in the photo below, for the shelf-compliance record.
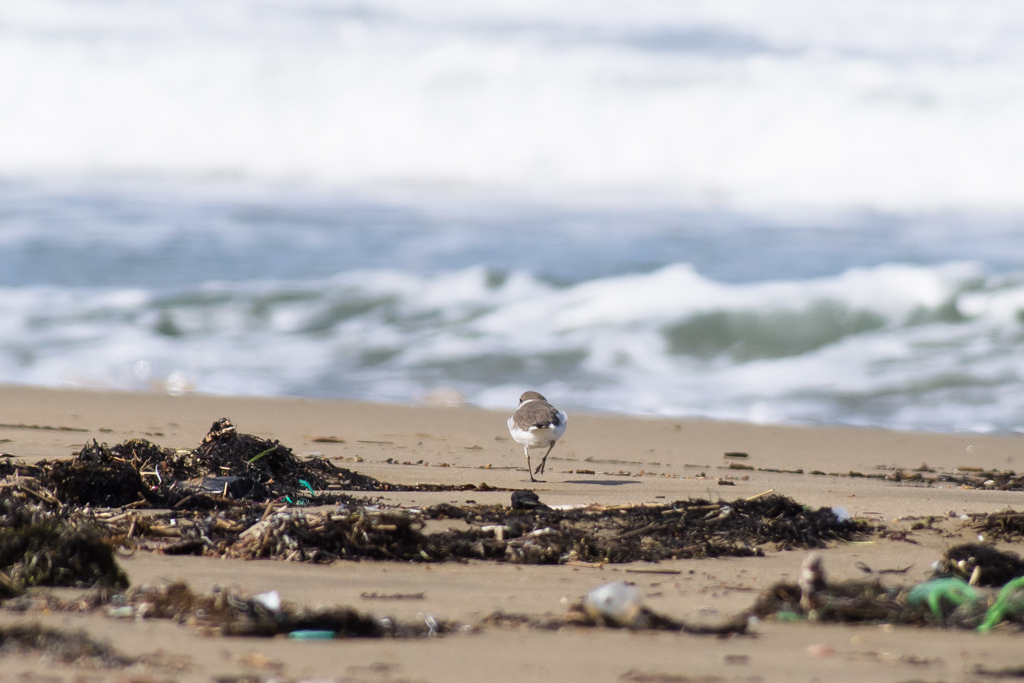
(775, 211)
(904, 105)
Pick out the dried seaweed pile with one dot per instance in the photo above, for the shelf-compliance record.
(42, 548)
(646, 620)
(324, 537)
(965, 477)
(271, 467)
(1005, 524)
(63, 646)
(978, 478)
(230, 612)
(685, 529)
(226, 467)
(982, 565)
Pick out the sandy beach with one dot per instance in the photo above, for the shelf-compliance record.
(604, 459)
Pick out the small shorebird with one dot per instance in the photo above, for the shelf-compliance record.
(536, 424)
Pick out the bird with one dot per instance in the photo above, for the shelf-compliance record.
(536, 424)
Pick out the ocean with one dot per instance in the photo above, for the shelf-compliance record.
(776, 211)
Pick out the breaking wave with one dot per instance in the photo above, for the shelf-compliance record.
(894, 345)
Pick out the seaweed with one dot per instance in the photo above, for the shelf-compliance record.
(694, 528)
(982, 564)
(685, 529)
(272, 467)
(65, 646)
(225, 468)
(231, 612)
(43, 548)
(1005, 524)
(95, 477)
(843, 601)
(228, 468)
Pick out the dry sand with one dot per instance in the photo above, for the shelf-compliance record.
(633, 460)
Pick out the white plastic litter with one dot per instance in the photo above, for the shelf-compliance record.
(271, 600)
(617, 603)
(841, 513)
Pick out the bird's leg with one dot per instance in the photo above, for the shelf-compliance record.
(540, 467)
(529, 468)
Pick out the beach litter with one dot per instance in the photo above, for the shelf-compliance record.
(526, 500)
(615, 605)
(271, 600)
(618, 604)
(1009, 606)
(231, 612)
(312, 635)
(946, 601)
(938, 593)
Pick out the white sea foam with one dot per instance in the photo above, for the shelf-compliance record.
(905, 105)
(894, 345)
(287, 196)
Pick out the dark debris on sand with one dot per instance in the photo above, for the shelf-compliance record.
(239, 495)
(946, 600)
(1005, 524)
(842, 602)
(981, 564)
(692, 528)
(685, 529)
(646, 620)
(43, 548)
(993, 480)
(231, 612)
(227, 467)
(63, 646)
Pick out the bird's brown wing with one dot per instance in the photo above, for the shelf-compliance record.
(536, 414)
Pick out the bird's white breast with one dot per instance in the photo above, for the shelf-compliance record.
(538, 437)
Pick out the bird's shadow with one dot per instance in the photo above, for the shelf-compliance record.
(599, 482)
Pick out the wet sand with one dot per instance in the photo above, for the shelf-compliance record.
(601, 459)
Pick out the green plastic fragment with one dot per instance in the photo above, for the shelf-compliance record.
(1007, 603)
(260, 455)
(311, 635)
(952, 589)
(788, 616)
(306, 484)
